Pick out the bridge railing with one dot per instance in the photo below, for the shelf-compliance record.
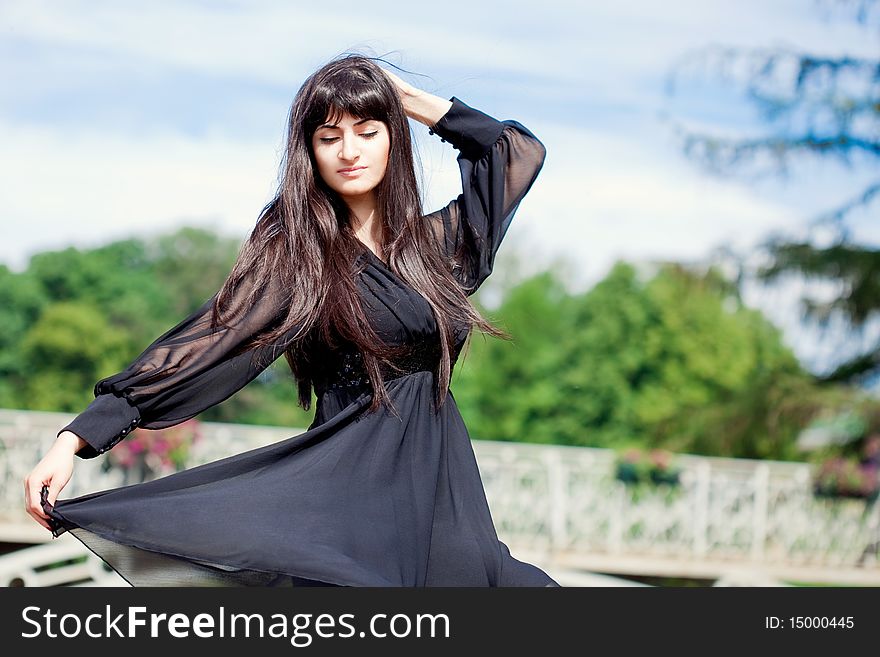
(568, 502)
(565, 505)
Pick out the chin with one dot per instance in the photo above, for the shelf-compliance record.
(355, 190)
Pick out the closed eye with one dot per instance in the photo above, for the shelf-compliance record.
(365, 135)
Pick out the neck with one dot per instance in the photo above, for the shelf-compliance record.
(365, 217)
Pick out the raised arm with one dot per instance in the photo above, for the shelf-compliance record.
(498, 160)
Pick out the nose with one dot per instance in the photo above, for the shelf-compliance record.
(349, 150)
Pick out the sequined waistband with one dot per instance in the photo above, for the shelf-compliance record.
(346, 370)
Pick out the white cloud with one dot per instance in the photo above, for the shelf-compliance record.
(603, 197)
(613, 47)
(85, 188)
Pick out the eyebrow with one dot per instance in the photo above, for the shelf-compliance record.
(336, 125)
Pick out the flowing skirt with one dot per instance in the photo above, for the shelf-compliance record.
(359, 499)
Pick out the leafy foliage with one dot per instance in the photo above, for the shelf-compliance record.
(674, 360)
(664, 358)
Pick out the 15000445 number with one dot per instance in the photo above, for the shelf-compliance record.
(821, 622)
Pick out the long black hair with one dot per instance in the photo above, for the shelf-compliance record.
(304, 237)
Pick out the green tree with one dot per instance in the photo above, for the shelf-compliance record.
(191, 265)
(21, 301)
(672, 359)
(507, 389)
(723, 380)
(69, 348)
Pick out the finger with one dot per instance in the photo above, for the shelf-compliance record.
(32, 501)
(46, 497)
(38, 497)
(33, 506)
(44, 501)
(51, 495)
(38, 512)
(39, 520)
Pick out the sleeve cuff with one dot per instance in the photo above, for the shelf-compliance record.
(106, 421)
(469, 130)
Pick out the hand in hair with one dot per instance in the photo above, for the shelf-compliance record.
(418, 104)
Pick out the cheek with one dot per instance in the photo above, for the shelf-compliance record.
(322, 166)
(385, 155)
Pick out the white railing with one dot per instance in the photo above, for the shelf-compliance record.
(65, 562)
(725, 515)
(564, 506)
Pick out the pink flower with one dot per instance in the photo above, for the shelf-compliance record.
(158, 450)
(632, 455)
(660, 458)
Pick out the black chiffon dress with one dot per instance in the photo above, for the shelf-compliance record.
(360, 498)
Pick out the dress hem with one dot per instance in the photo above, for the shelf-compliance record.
(66, 526)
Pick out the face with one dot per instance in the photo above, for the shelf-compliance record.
(352, 155)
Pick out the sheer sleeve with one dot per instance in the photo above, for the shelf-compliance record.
(499, 161)
(183, 372)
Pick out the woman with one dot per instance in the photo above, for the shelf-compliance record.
(367, 299)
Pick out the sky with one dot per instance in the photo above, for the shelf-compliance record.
(126, 118)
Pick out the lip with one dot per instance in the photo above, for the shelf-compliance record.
(351, 171)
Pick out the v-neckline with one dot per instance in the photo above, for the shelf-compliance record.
(368, 253)
(371, 254)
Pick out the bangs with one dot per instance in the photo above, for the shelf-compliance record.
(337, 97)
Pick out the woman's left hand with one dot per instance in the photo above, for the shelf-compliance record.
(404, 89)
(418, 104)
